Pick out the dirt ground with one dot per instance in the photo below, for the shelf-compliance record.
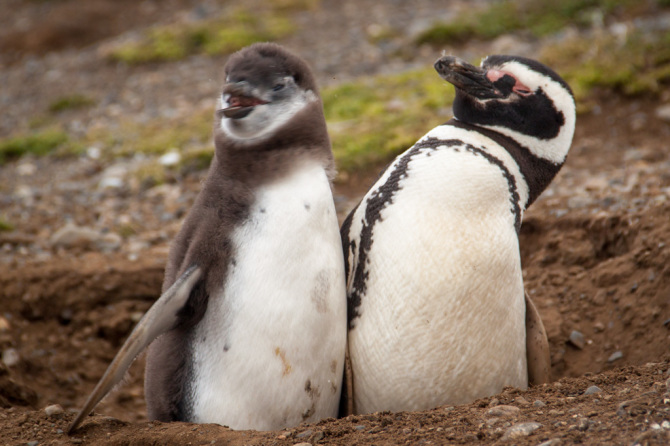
(595, 253)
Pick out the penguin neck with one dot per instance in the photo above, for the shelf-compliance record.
(254, 162)
(537, 172)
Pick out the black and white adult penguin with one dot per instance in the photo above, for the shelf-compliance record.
(437, 313)
(250, 331)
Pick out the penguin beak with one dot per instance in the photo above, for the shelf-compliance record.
(467, 78)
(241, 101)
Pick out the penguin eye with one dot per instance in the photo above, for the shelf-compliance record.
(278, 87)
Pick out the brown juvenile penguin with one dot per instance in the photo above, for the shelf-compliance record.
(250, 331)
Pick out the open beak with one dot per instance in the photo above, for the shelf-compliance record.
(241, 101)
(467, 78)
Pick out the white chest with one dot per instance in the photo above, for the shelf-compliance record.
(269, 352)
(442, 316)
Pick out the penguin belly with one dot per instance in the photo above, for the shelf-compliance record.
(442, 318)
(269, 351)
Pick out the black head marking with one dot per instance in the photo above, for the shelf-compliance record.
(486, 96)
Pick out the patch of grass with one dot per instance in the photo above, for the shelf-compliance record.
(155, 137)
(638, 63)
(70, 102)
(5, 226)
(38, 143)
(540, 17)
(371, 120)
(218, 36)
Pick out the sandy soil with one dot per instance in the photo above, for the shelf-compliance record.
(595, 251)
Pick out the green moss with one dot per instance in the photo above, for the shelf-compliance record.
(5, 226)
(218, 36)
(39, 143)
(155, 137)
(540, 17)
(71, 102)
(373, 119)
(197, 159)
(638, 64)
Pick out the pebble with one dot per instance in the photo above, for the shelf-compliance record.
(54, 409)
(10, 357)
(552, 442)
(583, 424)
(521, 430)
(33, 443)
(172, 158)
(539, 403)
(304, 443)
(71, 236)
(521, 400)
(304, 434)
(615, 356)
(26, 169)
(577, 339)
(663, 112)
(360, 427)
(503, 411)
(4, 324)
(592, 389)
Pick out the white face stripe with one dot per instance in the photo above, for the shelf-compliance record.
(555, 149)
(265, 119)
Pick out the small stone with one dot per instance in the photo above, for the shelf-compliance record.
(72, 235)
(521, 430)
(93, 152)
(10, 357)
(577, 339)
(615, 356)
(318, 436)
(360, 427)
(598, 327)
(54, 409)
(26, 169)
(110, 183)
(552, 442)
(583, 424)
(4, 325)
(521, 400)
(304, 443)
(539, 403)
(503, 411)
(172, 158)
(305, 434)
(33, 443)
(663, 112)
(592, 389)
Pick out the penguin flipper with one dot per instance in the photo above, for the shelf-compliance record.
(161, 317)
(537, 346)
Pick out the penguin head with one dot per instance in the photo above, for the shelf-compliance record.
(518, 97)
(266, 86)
